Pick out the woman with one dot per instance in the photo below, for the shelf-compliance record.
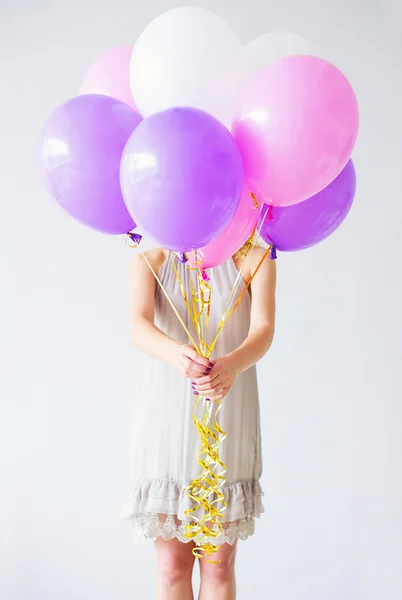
(165, 440)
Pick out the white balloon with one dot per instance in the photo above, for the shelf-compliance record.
(187, 57)
(271, 46)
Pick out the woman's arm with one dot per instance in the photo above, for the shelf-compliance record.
(262, 317)
(262, 326)
(145, 334)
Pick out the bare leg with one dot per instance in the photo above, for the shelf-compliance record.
(218, 581)
(175, 568)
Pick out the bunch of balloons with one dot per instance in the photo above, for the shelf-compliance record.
(188, 133)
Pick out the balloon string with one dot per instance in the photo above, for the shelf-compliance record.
(172, 305)
(250, 245)
(226, 316)
(191, 309)
(206, 490)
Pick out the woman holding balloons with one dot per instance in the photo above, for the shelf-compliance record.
(164, 440)
(154, 142)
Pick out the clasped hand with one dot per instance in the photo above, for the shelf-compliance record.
(211, 379)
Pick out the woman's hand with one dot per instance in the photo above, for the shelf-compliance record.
(217, 383)
(190, 363)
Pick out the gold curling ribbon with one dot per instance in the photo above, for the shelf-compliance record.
(206, 490)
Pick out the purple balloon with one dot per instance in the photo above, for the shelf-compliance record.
(80, 152)
(305, 224)
(182, 177)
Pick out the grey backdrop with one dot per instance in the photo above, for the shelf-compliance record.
(331, 390)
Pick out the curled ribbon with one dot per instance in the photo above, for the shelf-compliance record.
(206, 490)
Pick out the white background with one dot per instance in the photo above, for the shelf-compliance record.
(330, 387)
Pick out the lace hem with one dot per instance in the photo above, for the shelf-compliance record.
(157, 507)
(168, 497)
(151, 526)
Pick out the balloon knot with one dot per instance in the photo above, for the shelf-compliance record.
(272, 253)
(182, 257)
(135, 238)
(204, 275)
(269, 215)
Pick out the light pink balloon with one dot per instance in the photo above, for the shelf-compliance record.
(232, 238)
(110, 75)
(297, 128)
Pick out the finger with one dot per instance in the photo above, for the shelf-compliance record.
(197, 358)
(221, 394)
(208, 378)
(218, 382)
(212, 391)
(191, 368)
(192, 372)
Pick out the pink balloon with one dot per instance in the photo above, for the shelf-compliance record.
(297, 128)
(232, 238)
(109, 75)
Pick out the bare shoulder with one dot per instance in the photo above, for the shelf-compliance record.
(156, 257)
(266, 274)
(266, 267)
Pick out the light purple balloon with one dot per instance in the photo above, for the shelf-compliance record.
(182, 177)
(305, 224)
(80, 152)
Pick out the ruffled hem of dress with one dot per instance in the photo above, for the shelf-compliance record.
(146, 504)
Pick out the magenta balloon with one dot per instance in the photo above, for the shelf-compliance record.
(110, 75)
(182, 177)
(308, 223)
(297, 128)
(80, 152)
(232, 238)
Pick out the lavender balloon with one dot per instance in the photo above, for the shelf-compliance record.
(303, 225)
(182, 177)
(80, 152)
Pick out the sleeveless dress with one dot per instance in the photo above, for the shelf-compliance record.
(164, 439)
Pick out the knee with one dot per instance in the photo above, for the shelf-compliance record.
(220, 573)
(174, 566)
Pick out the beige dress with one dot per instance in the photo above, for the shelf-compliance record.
(164, 440)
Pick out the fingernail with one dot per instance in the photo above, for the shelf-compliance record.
(196, 393)
(211, 365)
(193, 383)
(208, 399)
